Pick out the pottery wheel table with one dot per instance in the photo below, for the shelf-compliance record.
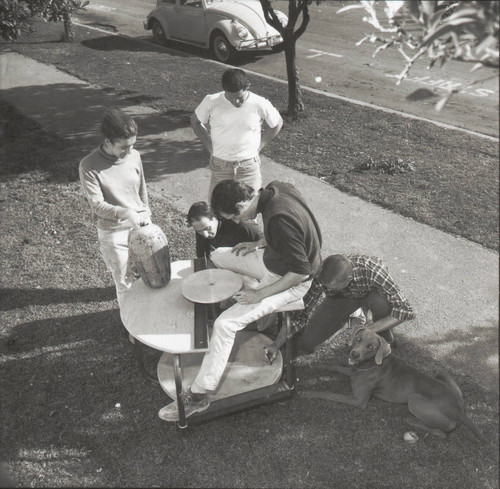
(165, 320)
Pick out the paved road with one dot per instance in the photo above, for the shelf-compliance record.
(328, 59)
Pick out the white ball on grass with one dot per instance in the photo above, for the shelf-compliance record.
(410, 437)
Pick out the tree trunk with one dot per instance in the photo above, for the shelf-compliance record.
(69, 35)
(295, 102)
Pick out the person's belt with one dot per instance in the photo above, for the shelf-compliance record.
(233, 162)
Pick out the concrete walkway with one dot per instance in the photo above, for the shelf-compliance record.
(452, 283)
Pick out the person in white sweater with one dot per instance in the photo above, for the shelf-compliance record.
(112, 179)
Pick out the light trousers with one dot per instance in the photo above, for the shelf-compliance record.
(114, 249)
(246, 171)
(255, 276)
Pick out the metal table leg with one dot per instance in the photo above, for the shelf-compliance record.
(182, 423)
(288, 360)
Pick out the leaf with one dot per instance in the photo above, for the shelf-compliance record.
(441, 103)
(441, 32)
(427, 10)
(412, 7)
(349, 7)
(392, 7)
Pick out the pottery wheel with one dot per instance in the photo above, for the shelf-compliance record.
(211, 286)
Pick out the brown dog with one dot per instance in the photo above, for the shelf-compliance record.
(436, 403)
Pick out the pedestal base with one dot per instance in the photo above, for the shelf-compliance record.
(247, 369)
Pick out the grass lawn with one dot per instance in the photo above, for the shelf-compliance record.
(76, 410)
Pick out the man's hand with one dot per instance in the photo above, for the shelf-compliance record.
(271, 352)
(248, 296)
(245, 248)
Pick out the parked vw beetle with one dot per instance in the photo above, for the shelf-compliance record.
(225, 27)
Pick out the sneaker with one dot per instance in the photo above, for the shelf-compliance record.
(193, 403)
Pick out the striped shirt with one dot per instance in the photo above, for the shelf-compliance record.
(369, 273)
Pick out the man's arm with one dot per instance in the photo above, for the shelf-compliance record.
(248, 246)
(289, 280)
(201, 131)
(383, 282)
(385, 323)
(269, 133)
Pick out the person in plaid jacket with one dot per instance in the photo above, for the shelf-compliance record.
(349, 282)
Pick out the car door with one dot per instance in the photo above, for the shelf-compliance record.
(167, 11)
(190, 21)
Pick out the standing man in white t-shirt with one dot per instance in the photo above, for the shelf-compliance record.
(237, 133)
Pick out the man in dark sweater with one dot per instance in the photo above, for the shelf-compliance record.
(213, 233)
(277, 275)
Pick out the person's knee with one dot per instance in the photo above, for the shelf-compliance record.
(225, 327)
(378, 305)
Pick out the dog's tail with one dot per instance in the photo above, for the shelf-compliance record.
(466, 421)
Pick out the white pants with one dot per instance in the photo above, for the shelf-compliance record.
(114, 249)
(255, 276)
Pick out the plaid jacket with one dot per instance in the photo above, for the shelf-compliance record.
(370, 273)
(311, 298)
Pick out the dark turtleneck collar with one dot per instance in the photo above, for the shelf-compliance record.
(266, 194)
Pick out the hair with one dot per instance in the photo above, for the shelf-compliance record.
(227, 194)
(118, 125)
(199, 210)
(335, 266)
(234, 80)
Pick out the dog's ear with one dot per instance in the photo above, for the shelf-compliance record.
(354, 332)
(383, 350)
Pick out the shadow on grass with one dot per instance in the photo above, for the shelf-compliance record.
(74, 112)
(73, 399)
(478, 346)
(19, 298)
(118, 43)
(64, 379)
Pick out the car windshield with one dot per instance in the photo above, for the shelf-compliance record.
(212, 2)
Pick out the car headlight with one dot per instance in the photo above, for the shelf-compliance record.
(241, 30)
(282, 18)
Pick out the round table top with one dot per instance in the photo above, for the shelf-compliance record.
(161, 318)
(211, 286)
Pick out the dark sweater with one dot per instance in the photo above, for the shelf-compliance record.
(292, 233)
(229, 233)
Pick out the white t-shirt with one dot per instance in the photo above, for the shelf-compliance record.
(236, 131)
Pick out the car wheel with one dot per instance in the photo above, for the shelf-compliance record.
(222, 49)
(158, 32)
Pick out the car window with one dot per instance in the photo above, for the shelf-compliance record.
(191, 3)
